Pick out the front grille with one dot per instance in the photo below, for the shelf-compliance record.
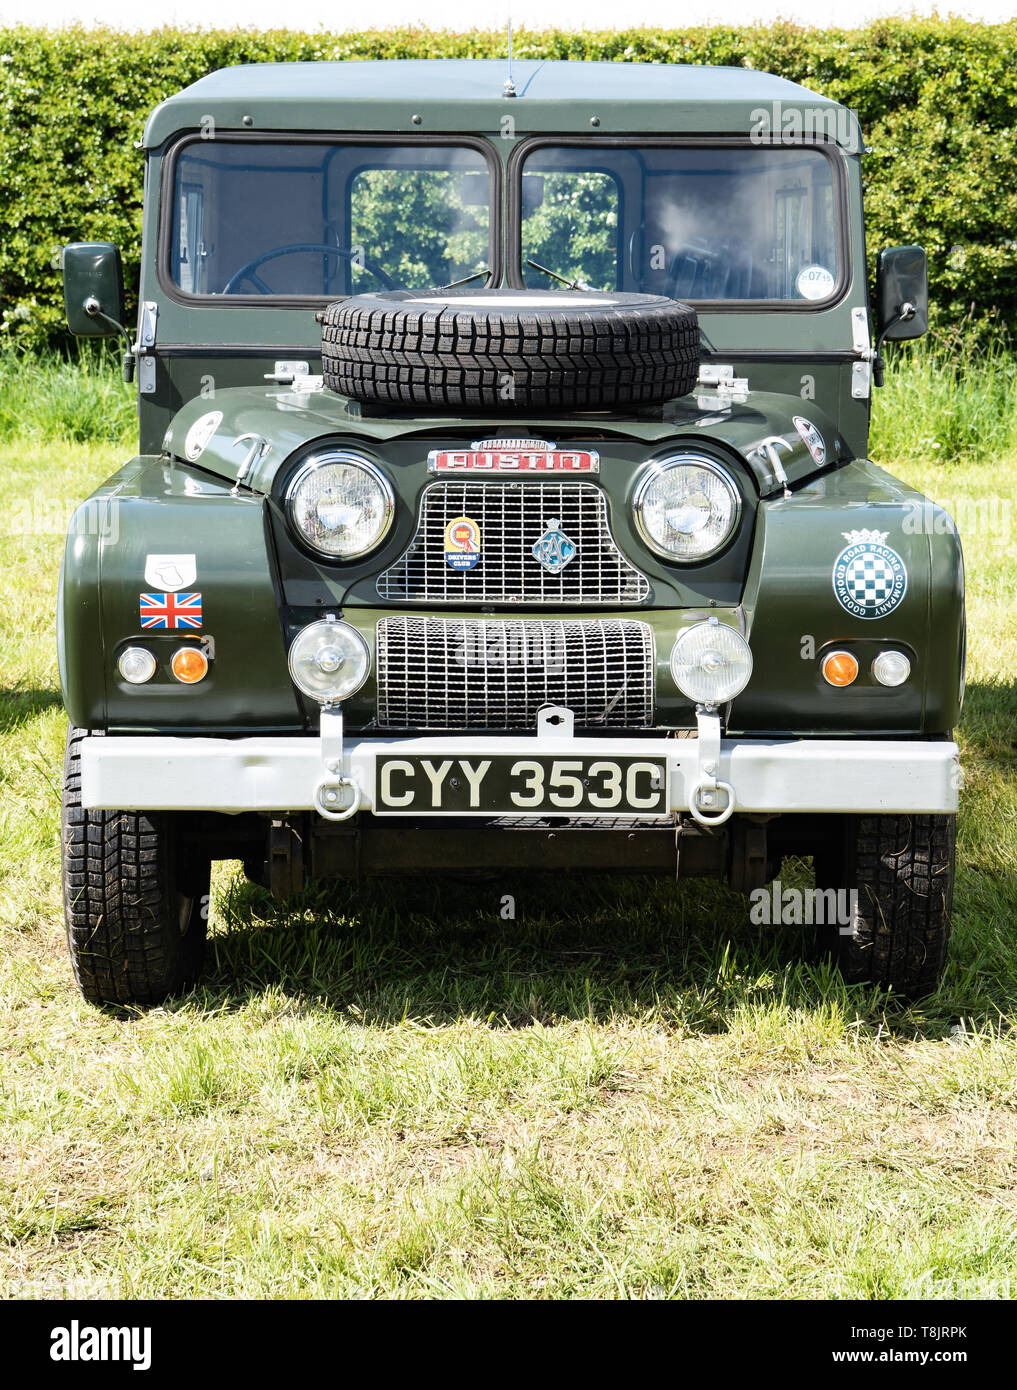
(512, 517)
(478, 673)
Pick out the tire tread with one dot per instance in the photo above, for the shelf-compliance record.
(902, 868)
(456, 358)
(119, 880)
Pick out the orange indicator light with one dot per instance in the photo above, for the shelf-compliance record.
(189, 664)
(839, 668)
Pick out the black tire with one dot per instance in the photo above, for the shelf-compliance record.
(902, 869)
(509, 350)
(135, 901)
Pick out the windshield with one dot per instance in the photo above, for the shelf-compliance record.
(700, 224)
(310, 218)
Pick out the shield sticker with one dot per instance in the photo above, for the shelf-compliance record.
(170, 572)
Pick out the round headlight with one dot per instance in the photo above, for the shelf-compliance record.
(686, 507)
(329, 661)
(340, 504)
(711, 663)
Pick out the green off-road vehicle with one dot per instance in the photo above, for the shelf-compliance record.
(502, 504)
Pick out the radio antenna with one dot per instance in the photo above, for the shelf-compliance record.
(509, 89)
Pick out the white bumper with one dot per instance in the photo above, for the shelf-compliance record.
(719, 775)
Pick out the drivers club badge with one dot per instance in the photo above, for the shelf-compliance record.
(462, 543)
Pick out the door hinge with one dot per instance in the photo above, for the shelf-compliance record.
(861, 372)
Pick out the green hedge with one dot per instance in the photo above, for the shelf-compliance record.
(937, 100)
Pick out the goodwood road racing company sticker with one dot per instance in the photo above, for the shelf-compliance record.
(869, 578)
(462, 543)
(812, 439)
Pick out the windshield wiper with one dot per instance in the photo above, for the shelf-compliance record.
(465, 280)
(576, 284)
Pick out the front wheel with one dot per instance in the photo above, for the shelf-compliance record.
(895, 875)
(135, 898)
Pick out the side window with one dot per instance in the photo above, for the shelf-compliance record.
(571, 225)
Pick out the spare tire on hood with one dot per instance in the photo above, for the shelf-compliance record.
(509, 350)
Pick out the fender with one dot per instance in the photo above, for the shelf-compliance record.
(793, 614)
(153, 506)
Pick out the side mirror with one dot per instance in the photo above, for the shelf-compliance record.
(902, 292)
(93, 289)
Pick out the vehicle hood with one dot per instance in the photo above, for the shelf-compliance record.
(249, 433)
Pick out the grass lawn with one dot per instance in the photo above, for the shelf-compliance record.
(629, 1091)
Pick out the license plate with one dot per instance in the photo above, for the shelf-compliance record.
(526, 786)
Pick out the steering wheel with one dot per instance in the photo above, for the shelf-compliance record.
(246, 271)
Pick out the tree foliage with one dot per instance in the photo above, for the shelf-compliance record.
(937, 100)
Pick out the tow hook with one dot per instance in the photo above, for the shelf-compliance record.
(336, 796)
(707, 790)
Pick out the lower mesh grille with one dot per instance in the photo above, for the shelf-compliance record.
(474, 673)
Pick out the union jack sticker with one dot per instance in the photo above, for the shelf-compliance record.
(170, 610)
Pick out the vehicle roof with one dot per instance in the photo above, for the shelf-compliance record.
(469, 95)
